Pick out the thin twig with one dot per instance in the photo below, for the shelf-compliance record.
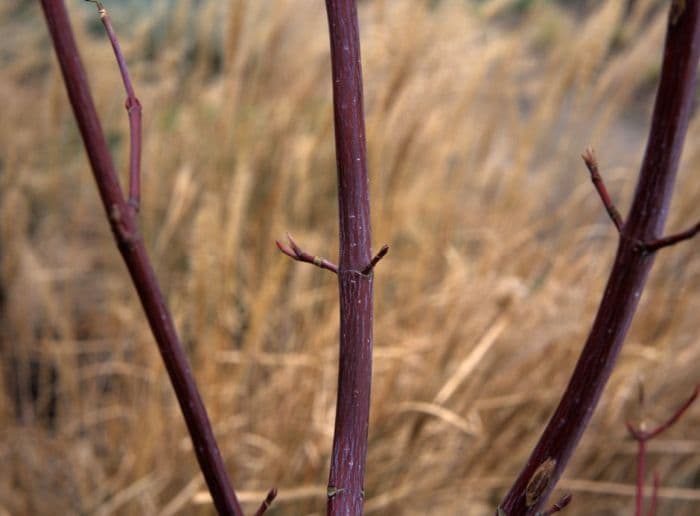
(271, 495)
(641, 472)
(654, 494)
(133, 109)
(381, 254)
(660, 243)
(559, 506)
(297, 253)
(591, 162)
(642, 437)
(645, 435)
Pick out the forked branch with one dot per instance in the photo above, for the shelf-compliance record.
(646, 219)
(648, 246)
(123, 223)
(133, 109)
(642, 436)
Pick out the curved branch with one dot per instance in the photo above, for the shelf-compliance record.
(632, 264)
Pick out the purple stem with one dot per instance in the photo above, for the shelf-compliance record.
(345, 483)
(123, 224)
(632, 262)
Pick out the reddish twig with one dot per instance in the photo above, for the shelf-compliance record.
(381, 254)
(559, 506)
(133, 108)
(630, 270)
(591, 162)
(645, 435)
(271, 495)
(123, 223)
(642, 437)
(660, 243)
(654, 495)
(297, 253)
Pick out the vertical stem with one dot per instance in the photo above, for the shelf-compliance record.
(123, 224)
(632, 263)
(641, 469)
(345, 484)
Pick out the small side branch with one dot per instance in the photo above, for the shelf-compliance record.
(660, 243)
(642, 437)
(559, 506)
(271, 495)
(381, 254)
(591, 162)
(133, 109)
(297, 253)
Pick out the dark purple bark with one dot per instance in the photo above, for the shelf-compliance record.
(123, 223)
(633, 261)
(345, 484)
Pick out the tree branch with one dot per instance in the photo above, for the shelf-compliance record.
(591, 162)
(632, 264)
(123, 223)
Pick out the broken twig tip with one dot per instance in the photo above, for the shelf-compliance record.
(589, 156)
(271, 495)
(381, 254)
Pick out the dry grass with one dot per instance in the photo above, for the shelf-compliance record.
(500, 251)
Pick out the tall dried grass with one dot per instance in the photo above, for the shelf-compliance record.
(476, 118)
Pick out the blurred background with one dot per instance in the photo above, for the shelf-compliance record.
(477, 113)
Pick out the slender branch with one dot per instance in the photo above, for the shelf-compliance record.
(381, 254)
(642, 437)
(123, 223)
(271, 495)
(559, 506)
(346, 477)
(133, 108)
(641, 473)
(297, 253)
(591, 162)
(654, 494)
(660, 243)
(630, 270)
